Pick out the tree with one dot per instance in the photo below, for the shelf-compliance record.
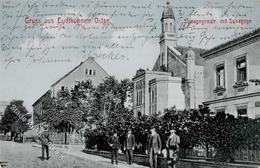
(15, 118)
(64, 112)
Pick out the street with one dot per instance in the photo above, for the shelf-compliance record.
(26, 156)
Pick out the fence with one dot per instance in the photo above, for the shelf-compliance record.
(240, 155)
(5, 138)
(72, 138)
(246, 155)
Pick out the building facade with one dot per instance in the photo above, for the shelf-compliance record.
(87, 70)
(3, 105)
(231, 76)
(176, 78)
(154, 91)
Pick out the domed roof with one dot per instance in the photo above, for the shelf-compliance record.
(190, 53)
(168, 12)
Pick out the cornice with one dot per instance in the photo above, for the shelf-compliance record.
(232, 98)
(229, 46)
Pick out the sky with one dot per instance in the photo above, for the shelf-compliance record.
(26, 48)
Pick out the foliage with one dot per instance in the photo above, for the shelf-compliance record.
(196, 128)
(88, 106)
(11, 121)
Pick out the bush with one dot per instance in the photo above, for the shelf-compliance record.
(196, 128)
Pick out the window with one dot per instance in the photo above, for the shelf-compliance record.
(137, 98)
(220, 74)
(90, 72)
(166, 27)
(242, 110)
(139, 114)
(162, 28)
(76, 87)
(94, 72)
(162, 63)
(170, 26)
(62, 88)
(220, 110)
(141, 97)
(86, 71)
(241, 69)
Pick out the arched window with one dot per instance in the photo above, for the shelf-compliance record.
(94, 72)
(166, 27)
(90, 72)
(162, 63)
(170, 27)
(86, 71)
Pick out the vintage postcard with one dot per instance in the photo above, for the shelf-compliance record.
(129, 83)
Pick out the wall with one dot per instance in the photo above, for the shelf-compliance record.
(199, 85)
(80, 75)
(176, 96)
(3, 105)
(147, 76)
(253, 70)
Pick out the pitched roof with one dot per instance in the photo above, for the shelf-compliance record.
(67, 74)
(231, 43)
(198, 59)
(38, 100)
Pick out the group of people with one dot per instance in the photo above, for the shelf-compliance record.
(153, 147)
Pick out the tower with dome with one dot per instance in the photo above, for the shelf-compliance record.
(176, 79)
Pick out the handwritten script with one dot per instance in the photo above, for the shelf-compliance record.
(58, 31)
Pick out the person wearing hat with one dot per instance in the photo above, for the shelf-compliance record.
(114, 143)
(45, 139)
(153, 147)
(129, 146)
(172, 145)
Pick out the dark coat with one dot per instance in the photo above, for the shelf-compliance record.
(129, 142)
(154, 143)
(45, 137)
(114, 142)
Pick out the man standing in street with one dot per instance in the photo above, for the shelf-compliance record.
(45, 139)
(115, 146)
(129, 146)
(153, 147)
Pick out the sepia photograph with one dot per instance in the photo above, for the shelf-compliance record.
(130, 84)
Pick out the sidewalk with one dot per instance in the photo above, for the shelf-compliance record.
(78, 153)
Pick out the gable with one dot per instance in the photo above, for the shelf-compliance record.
(157, 65)
(87, 70)
(176, 65)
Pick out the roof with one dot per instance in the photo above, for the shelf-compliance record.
(67, 74)
(242, 39)
(168, 12)
(198, 59)
(38, 100)
(141, 72)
